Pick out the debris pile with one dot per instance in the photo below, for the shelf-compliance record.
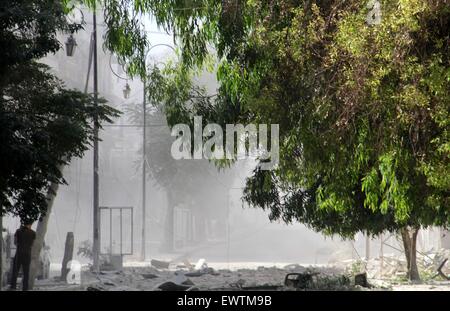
(312, 279)
(394, 267)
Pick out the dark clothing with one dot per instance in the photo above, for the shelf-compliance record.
(23, 239)
(24, 262)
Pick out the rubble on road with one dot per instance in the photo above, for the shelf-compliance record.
(262, 278)
(149, 276)
(201, 268)
(159, 264)
(179, 283)
(345, 275)
(361, 280)
(394, 267)
(315, 280)
(171, 286)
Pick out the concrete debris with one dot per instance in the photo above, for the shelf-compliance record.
(201, 264)
(393, 267)
(188, 265)
(264, 287)
(238, 284)
(160, 264)
(109, 284)
(264, 278)
(314, 280)
(294, 267)
(180, 278)
(194, 274)
(149, 276)
(171, 286)
(201, 268)
(361, 280)
(109, 272)
(178, 283)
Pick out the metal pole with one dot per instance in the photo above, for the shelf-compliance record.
(96, 243)
(132, 230)
(381, 255)
(110, 233)
(228, 229)
(144, 165)
(121, 241)
(367, 247)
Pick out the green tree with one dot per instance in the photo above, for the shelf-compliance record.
(43, 124)
(363, 109)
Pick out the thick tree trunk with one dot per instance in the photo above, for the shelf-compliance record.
(409, 238)
(40, 234)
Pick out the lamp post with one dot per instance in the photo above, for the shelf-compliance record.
(71, 44)
(127, 89)
(96, 208)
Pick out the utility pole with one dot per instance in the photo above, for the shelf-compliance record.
(96, 231)
(381, 255)
(367, 247)
(228, 229)
(144, 165)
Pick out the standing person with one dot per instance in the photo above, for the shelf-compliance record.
(23, 239)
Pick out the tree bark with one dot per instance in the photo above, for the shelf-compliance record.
(40, 234)
(68, 255)
(409, 238)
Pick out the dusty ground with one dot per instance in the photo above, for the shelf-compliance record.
(431, 286)
(145, 278)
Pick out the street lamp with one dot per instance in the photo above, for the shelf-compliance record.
(74, 17)
(126, 91)
(71, 44)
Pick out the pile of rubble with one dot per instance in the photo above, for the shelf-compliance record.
(169, 276)
(394, 267)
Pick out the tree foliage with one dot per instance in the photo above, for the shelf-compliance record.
(43, 124)
(363, 109)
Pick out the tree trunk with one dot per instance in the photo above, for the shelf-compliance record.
(68, 255)
(409, 238)
(40, 234)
